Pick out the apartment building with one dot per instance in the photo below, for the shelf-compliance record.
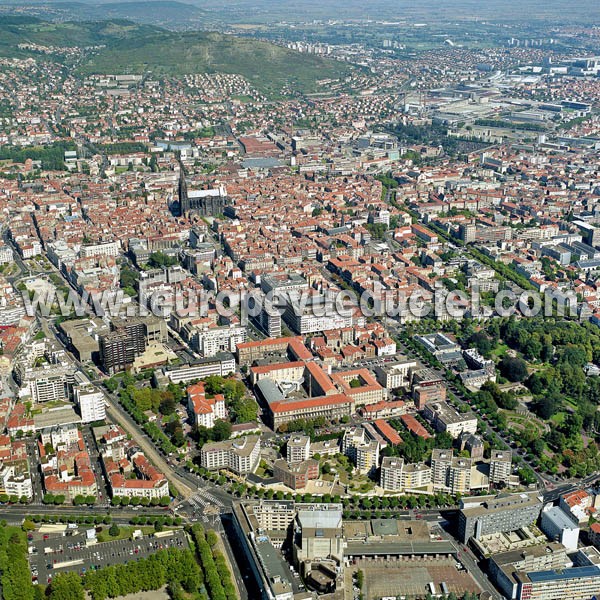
(136, 478)
(416, 476)
(204, 410)
(240, 455)
(391, 473)
(577, 504)
(500, 467)
(68, 471)
(450, 473)
(273, 515)
(362, 449)
(48, 382)
(15, 481)
(298, 448)
(91, 403)
(105, 249)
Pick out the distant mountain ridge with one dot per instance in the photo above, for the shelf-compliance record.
(167, 13)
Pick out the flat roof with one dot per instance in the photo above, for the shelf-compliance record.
(405, 548)
(574, 573)
(269, 390)
(59, 416)
(560, 518)
(273, 563)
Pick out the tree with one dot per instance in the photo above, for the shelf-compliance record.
(114, 530)
(514, 369)
(28, 525)
(66, 586)
(360, 579)
(221, 430)
(245, 410)
(546, 406)
(160, 259)
(167, 405)
(482, 342)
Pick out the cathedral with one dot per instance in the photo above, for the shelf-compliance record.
(205, 203)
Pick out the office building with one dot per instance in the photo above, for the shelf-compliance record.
(120, 347)
(496, 514)
(503, 566)
(397, 375)
(222, 364)
(296, 475)
(578, 583)
(444, 418)
(319, 533)
(214, 340)
(315, 313)
(559, 527)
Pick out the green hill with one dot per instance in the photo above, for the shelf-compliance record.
(169, 14)
(266, 66)
(136, 48)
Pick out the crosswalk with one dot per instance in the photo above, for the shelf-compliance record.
(202, 500)
(204, 494)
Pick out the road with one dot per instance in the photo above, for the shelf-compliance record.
(117, 414)
(16, 513)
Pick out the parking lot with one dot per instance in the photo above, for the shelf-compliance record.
(410, 578)
(58, 553)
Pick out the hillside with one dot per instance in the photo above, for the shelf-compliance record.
(169, 14)
(266, 66)
(136, 48)
(30, 30)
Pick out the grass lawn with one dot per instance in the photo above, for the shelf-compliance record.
(500, 351)
(519, 422)
(263, 470)
(125, 532)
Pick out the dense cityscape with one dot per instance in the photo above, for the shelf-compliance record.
(299, 306)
